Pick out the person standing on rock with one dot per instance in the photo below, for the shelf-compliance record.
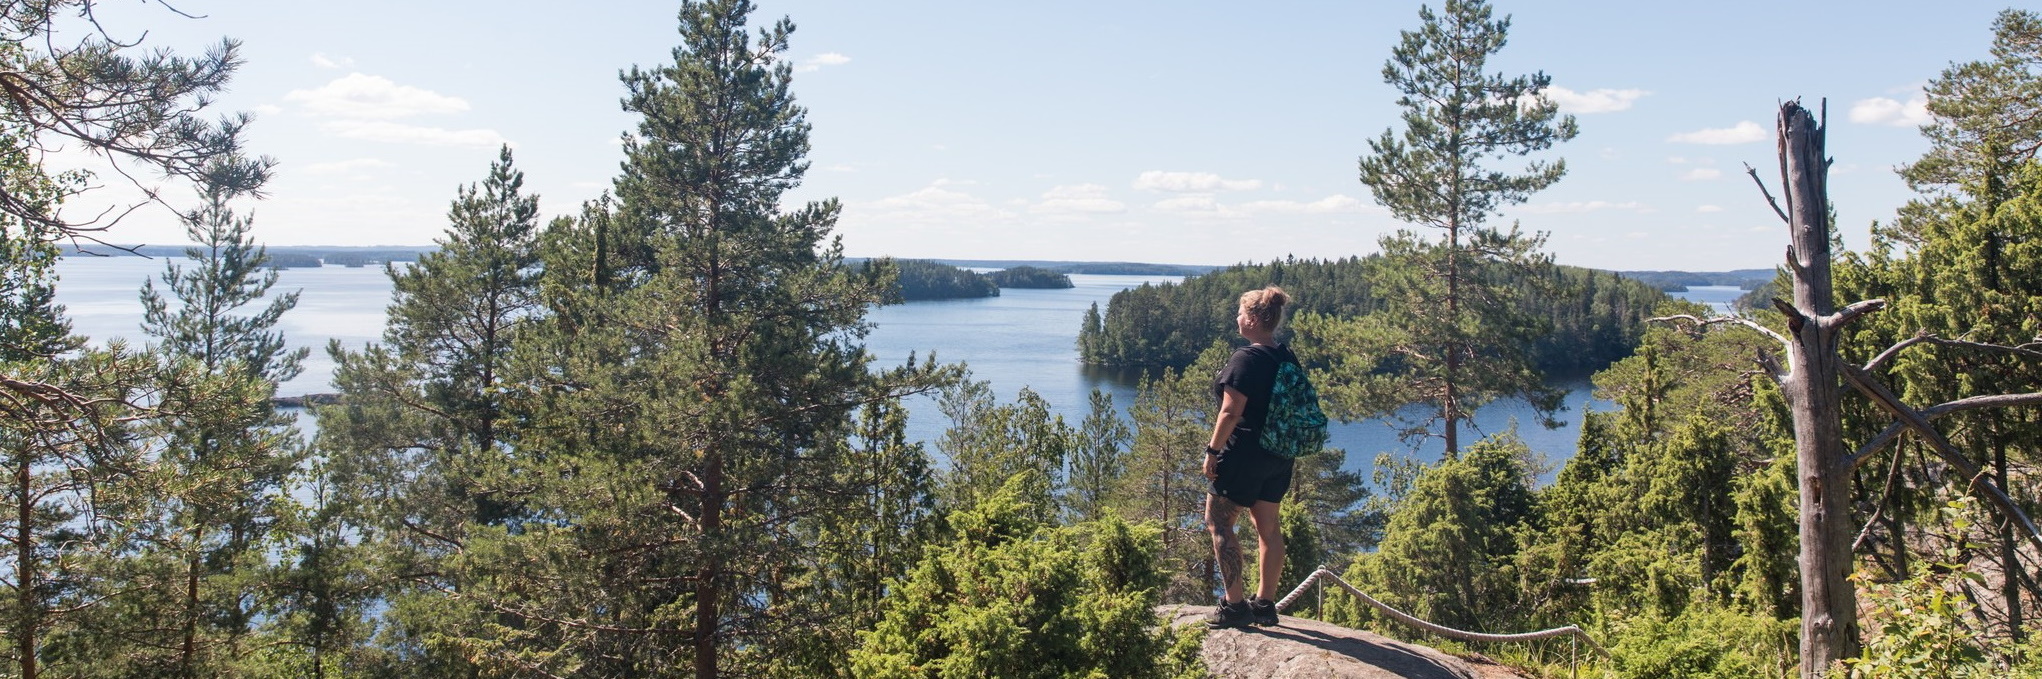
(1242, 473)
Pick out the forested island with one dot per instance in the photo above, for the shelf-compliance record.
(1587, 319)
(1029, 277)
(921, 279)
(641, 438)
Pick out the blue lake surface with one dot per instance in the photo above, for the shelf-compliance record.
(1023, 338)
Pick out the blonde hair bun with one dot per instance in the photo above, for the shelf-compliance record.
(1265, 305)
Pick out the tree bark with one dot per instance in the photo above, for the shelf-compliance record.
(1829, 621)
(2010, 548)
(28, 621)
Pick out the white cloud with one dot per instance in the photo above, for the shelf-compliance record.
(818, 61)
(1205, 204)
(323, 61)
(1192, 182)
(1884, 111)
(1578, 207)
(366, 96)
(1706, 209)
(1196, 202)
(1329, 204)
(268, 109)
(1593, 101)
(1744, 132)
(932, 205)
(1701, 174)
(1085, 198)
(1677, 160)
(345, 166)
(386, 131)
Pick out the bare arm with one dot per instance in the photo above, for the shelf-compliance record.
(1232, 403)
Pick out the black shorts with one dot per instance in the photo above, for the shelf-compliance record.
(1247, 476)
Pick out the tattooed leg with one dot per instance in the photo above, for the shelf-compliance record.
(1226, 544)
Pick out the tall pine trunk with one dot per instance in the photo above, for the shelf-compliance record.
(27, 619)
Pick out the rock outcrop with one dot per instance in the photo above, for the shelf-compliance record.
(1309, 649)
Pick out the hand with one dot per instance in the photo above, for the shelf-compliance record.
(1212, 466)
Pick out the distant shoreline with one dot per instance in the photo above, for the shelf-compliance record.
(365, 255)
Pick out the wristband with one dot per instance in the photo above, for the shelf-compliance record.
(1209, 450)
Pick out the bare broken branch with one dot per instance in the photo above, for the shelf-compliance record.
(1703, 322)
(1748, 169)
(1868, 385)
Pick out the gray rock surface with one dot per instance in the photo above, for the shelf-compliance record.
(1309, 649)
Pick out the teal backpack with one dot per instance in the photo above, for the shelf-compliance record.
(1296, 427)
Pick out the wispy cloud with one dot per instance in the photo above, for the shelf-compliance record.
(1594, 101)
(345, 166)
(1884, 111)
(1327, 205)
(323, 61)
(818, 61)
(1578, 207)
(933, 205)
(1196, 202)
(366, 96)
(386, 131)
(1078, 198)
(1743, 132)
(1200, 203)
(1701, 174)
(1192, 182)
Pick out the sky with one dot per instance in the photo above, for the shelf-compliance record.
(1186, 132)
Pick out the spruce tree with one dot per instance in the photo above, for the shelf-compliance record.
(1088, 609)
(1959, 262)
(1452, 335)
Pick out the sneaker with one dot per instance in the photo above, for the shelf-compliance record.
(1228, 615)
(1263, 610)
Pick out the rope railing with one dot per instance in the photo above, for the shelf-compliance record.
(1440, 630)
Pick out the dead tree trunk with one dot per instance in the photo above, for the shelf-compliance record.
(1812, 382)
(1812, 385)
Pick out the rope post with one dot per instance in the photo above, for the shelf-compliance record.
(1321, 590)
(1574, 657)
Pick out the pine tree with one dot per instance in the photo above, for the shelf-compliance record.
(1164, 484)
(121, 101)
(225, 455)
(989, 442)
(683, 402)
(76, 493)
(862, 551)
(1453, 335)
(417, 447)
(1098, 459)
(78, 497)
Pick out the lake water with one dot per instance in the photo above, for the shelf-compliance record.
(1023, 338)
